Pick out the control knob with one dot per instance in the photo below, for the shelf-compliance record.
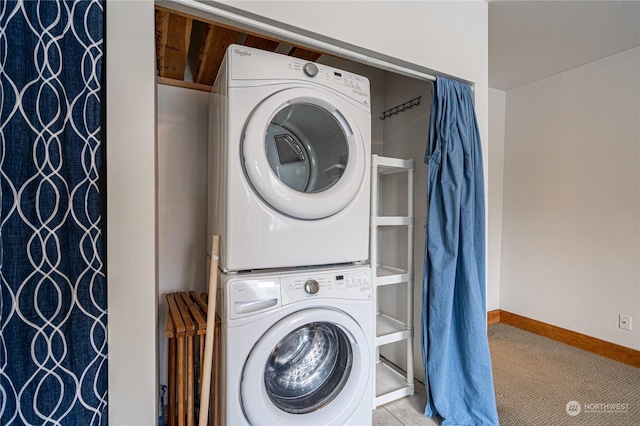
(310, 69)
(311, 286)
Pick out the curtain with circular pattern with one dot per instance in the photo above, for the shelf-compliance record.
(53, 307)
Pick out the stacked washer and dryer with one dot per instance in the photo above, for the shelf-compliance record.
(289, 192)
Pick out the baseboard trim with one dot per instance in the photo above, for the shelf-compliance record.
(493, 317)
(582, 341)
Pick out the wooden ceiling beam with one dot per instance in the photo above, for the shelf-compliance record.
(214, 45)
(173, 34)
(261, 43)
(305, 54)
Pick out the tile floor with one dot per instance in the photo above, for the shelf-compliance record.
(407, 411)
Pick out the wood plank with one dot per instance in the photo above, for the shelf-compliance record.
(169, 329)
(493, 317)
(215, 42)
(181, 381)
(199, 320)
(591, 344)
(200, 302)
(190, 382)
(175, 314)
(172, 378)
(216, 375)
(304, 54)
(183, 84)
(212, 22)
(173, 34)
(261, 43)
(184, 312)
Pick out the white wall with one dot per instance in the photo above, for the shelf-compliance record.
(182, 198)
(571, 220)
(131, 213)
(497, 102)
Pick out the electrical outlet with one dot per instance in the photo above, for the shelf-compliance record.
(624, 322)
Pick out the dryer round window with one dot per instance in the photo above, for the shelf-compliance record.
(303, 153)
(307, 147)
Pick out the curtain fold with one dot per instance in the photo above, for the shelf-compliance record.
(455, 349)
(53, 314)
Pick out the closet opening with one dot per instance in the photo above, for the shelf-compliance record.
(190, 45)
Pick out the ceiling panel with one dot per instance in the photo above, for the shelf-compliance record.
(532, 40)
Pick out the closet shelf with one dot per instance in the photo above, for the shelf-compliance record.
(390, 385)
(391, 330)
(388, 165)
(386, 275)
(391, 221)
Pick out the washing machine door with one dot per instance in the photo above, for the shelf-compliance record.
(312, 367)
(304, 154)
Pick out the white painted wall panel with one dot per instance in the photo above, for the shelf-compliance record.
(131, 213)
(497, 101)
(182, 198)
(571, 220)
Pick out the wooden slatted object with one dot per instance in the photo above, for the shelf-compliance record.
(185, 330)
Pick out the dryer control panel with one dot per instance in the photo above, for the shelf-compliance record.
(248, 66)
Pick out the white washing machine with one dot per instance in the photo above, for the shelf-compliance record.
(296, 347)
(289, 157)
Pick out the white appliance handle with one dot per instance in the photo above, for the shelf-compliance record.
(254, 305)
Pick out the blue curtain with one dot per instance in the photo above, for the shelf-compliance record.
(53, 315)
(455, 348)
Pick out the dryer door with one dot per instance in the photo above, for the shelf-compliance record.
(304, 154)
(312, 367)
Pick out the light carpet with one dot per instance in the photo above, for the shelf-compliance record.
(539, 381)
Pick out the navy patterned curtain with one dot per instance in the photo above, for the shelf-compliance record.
(53, 310)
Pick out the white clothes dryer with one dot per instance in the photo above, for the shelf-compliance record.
(289, 158)
(296, 347)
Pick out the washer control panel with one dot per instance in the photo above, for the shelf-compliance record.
(338, 284)
(248, 294)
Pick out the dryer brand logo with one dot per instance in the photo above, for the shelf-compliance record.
(242, 52)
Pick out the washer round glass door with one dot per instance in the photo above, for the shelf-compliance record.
(312, 367)
(304, 154)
